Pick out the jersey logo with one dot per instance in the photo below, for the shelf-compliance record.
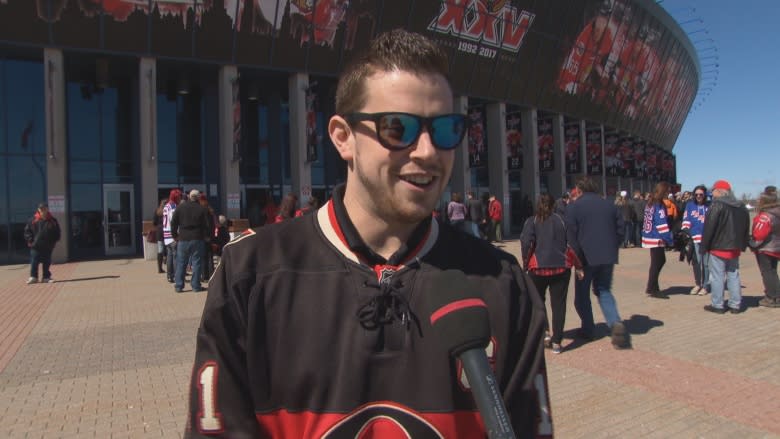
(385, 272)
(383, 420)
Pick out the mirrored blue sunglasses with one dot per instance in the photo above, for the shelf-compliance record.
(397, 131)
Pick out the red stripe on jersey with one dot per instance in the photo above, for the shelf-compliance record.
(455, 306)
(376, 420)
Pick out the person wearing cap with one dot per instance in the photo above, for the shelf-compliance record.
(725, 237)
(190, 229)
(41, 234)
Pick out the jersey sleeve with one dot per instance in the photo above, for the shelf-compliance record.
(525, 389)
(762, 226)
(662, 225)
(220, 399)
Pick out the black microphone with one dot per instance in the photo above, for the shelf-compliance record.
(459, 318)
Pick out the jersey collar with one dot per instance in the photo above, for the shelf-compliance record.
(340, 231)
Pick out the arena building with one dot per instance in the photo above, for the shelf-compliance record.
(106, 105)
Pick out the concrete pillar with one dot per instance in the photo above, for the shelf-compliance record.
(558, 174)
(300, 167)
(530, 155)
(56, 148)
(583, 151)
(460, 181)
(229, 144)
(147, 109)
(497, 168)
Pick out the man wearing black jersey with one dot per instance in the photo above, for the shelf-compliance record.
(316, 327)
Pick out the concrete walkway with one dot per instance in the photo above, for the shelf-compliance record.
(106, 352)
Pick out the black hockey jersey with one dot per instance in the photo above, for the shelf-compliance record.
(302, 337)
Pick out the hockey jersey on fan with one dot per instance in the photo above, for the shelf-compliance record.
(655, 227)
(306, 333)
(693, 219)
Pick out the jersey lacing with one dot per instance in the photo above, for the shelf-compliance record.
(386, 307)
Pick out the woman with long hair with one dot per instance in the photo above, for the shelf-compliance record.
(157, 221)
(548, 259)
(656, 235)
(693, 223)
(766, 245)
(456, 211)
(287, 208)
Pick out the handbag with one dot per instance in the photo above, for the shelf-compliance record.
(151, 236)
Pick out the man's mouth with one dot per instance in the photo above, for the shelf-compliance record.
(418, 180)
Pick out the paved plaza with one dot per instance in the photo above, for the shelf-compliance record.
(106, 352)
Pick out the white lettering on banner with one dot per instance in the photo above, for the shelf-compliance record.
(56, 203)
(234, 201)
(504, 27)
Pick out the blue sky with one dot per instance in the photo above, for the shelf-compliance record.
(735, 133)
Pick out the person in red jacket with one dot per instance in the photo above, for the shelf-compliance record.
(766, 245)
(495, 214)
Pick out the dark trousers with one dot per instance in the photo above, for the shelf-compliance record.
(657, 261)
(559, 289)
(42, 257)
(170, 261)
(768, 267)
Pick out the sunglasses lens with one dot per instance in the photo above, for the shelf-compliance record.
(398, 131)
(448, 130)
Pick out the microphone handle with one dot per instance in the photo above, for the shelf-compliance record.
(487, 395)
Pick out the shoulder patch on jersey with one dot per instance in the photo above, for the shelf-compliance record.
(245, 234)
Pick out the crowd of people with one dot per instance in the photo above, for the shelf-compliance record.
(189, 234)
(711, 230)
(481, 217)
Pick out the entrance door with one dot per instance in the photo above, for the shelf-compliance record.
(119, 219)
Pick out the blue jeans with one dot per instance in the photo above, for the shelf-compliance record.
(701, 269)
(601, 276)
(189, 251)
(42, 257)
(727, 269)
(628, 236)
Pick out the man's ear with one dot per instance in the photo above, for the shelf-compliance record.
(341, 135)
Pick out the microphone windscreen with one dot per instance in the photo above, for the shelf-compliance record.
(458, 314)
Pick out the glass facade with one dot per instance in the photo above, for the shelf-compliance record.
(22, 153)
(101, 151)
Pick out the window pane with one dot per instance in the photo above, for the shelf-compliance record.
(84, 172)
(24, 106)
(117, 172)
(166, 129)
(167, 173)
(27, 178)
(86, 197)
(83, 122)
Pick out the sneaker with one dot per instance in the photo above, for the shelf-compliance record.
(695, 290)
(704, 291)
(556, 348)
(735, 310)
(47, 280)
(769, 302)
(178, 290)
(711, 308)
(547, 339)
(620, 336)
(32, 280)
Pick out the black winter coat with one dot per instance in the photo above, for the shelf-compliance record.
(42, 234)
(726, 226)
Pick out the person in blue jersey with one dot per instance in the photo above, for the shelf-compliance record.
(693, 223)
(656, 236)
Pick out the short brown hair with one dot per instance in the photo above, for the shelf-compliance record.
(395, 50)
(586, 184)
